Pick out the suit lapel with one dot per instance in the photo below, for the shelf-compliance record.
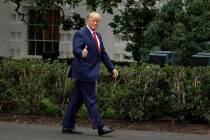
(90, 36)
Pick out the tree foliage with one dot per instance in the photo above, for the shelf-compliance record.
(182, 27)
(130, 24)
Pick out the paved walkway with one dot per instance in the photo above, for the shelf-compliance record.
(14, 131)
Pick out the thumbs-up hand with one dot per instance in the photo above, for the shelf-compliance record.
(85, 52)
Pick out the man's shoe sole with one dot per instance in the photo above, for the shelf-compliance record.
(71, 132)
(101, 134)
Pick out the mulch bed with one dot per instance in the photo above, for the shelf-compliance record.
(157, 126)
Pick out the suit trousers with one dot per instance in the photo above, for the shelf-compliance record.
(83, 92)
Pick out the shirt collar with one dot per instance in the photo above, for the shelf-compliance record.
(90, 29)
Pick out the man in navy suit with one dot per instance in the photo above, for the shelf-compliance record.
(88, 50)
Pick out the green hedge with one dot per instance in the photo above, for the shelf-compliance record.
(142, 92)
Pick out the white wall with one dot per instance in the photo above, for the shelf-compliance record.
(13, 35)
(4, 27)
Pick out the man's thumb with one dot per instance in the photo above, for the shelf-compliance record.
(86, 47)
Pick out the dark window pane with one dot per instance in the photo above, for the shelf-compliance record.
(31, 48)
(56, 17)
(39, 18)
(48, 33)
(48, 46)
(45, 40)
(39, 32)
(31, 31)
(39, 47)
(49, 17)
(56, 34)
(56, 46)
(31, 16)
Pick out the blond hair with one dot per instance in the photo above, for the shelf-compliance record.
(94, 15)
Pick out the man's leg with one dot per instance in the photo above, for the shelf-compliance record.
(75, 103)
(89, 95)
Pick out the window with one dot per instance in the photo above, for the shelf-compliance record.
(62, 39)
(65, 38)
(15, 18)
(15, 53)
(18, 36)
(15, 36)
(43, 38)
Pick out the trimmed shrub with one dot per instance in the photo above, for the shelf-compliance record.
(141, 92)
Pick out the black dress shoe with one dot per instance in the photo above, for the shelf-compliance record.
(70, 131)
(104, 130)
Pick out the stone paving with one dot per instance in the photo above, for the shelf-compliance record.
(16, 131)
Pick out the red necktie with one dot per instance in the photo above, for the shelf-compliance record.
(95, 40)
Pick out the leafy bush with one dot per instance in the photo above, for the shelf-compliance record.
(141, 92)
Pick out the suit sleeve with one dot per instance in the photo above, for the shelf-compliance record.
(78, 45)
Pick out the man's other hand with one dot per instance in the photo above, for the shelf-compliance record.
(114, 73)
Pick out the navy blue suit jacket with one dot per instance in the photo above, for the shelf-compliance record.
(87, 69)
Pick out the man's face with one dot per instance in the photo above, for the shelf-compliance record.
(93, 22)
